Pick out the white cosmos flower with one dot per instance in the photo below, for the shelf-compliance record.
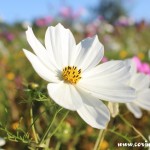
(140, 82)
(76, 81)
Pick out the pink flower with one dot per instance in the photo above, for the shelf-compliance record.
(104, 59)
(141, 67)
(66, 12)
(90, 30)
(146, 68)
(137, 62)
(44, 21)
(10, 36)
(69, 13)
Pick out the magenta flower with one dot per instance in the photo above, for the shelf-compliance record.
(141, 67)
(146, 68)
(104, 59)
(65, 12)
(137, 62)
(44, 21)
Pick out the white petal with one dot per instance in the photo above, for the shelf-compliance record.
(134, 109)
(107, 82)
(89, 53)
(60, 43)
(140, 81)
(40, 50)
(93, 112)
(65, 95)
(132, 64)
(41, 70)
(111, 70)
(143, 100)
(110, 92)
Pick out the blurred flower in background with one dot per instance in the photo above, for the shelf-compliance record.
(2, 142)
(125, 21)
(141, 67)
(8, 36)
(68, 13)
(45, 21)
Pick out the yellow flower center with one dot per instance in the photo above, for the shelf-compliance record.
(71, 74)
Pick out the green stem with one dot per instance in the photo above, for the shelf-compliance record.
(124, 137)
(59, 124)
(35, 119)
(137, 131)
(48, 128)
(58, 146)
(32, 123)
(99, 140)
(47, 142)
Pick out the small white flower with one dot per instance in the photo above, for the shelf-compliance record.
(2, 142)
(76, 81)
(140, 82)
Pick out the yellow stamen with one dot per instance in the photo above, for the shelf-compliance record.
(71, 74)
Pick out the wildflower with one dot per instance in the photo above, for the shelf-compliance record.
(15, 125)
(2, 142)
(146, 68)
(76, 81)
(141, 83)
(138, 63)
(123, 54)
(104, 145)
(141, 67)
(33, 85)
(141, 55)
(10, 76)
(41, 22)
(125, 21)
(104, 59)
(66, 12)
